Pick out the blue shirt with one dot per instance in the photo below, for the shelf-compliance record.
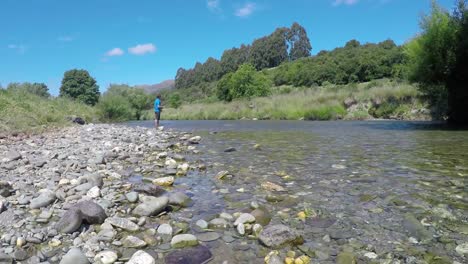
(157, 103)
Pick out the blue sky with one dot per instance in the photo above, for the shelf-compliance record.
(146, 41)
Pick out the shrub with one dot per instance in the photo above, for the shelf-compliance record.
(115, 108)
(246, 82)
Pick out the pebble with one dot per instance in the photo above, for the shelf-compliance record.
(141, 257)
(106, 257)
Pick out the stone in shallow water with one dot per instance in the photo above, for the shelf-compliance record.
(415, 228)
(194, 255)
(275, 236)
(179, 199)
(244, 218)
(151, 206)
(320, 222)
(164, 181)
(184, 240)
(149, 189)
(209, 236)
(262, 216)
(202, 224)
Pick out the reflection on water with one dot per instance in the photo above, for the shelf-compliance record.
(370, 178)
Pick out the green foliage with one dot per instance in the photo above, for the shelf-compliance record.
(174, 100)
(298, 42)
(431, 56)
(327, 112)
(24, 111)
(246, 82)
(79, 85)
(438, 57)
(137, 101)
(114, 107)
(266, 52)
(39, 89)
(353, 63)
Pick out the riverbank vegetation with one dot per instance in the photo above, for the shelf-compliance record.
(378, 99)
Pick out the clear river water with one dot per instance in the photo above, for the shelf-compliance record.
(388, 191)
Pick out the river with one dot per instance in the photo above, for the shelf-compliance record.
(395, 191)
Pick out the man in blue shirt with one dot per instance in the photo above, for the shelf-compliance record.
(157, 110)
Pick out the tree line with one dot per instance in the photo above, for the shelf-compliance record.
(284, 44)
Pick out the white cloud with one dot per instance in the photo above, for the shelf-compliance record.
(213, 5)
(142, 49)
(246, 10)
(65, 38)
(115, 52)
(21, 49)
(345, 2)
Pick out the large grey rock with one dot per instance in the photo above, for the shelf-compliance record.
(275, 236)
(92, 212)
(44, 199)
(5, 258)
(87, 211)
(70, 221)
(179, 199)
(74, 256)
(11, 156)
(149, 189)
(151, 206)
(141, 257)
(193, 255)
(5, 189)
(122, 223)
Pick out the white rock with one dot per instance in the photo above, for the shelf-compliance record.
(183, 167)
(370, 255)
(74, 182)
(94, 192)
(226, 216)
(162, 155)
(141, 257)
(164, 181)
(195, 140)
(170, 162)
(241, 229)
(106, 257)
(165, 229)
(64, 182)
(462, 249)
(202, 224)
(244, 218)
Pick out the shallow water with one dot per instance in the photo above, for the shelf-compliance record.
(361, 182)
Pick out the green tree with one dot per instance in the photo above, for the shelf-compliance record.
(79, 85)
(437, 59)
(246, 82)
(298, 41)
(39, 89)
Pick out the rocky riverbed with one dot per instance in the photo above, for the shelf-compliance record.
(116, 194)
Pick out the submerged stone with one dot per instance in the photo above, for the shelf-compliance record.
(195, 255)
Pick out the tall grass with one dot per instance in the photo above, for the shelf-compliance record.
(20, 111)
(292, 103)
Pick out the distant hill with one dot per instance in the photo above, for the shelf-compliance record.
(155, 88)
